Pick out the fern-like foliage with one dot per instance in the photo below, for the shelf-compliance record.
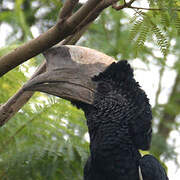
(48, 145)
(139, 33)
(145, 28)
(161, 39)
(135, 29)
(156, 24)
(177, 23)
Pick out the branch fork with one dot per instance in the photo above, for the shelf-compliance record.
(68, 30)
(125, 5)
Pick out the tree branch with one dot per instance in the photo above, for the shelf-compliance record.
(169, 114)
(67, 9)
(12, 106)
(82, 13)
(129, 5)
(32, 48)
(46, 40)
(95, 13)
(15, 103)
(161, 72)
(125, 5)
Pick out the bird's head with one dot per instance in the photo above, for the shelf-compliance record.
(89, 78)
(69, 70)
(124, 101)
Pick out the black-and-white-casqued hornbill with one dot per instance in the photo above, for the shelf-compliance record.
(117, 110)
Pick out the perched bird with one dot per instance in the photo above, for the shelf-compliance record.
(117, 110)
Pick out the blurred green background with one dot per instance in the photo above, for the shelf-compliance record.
(47, 139)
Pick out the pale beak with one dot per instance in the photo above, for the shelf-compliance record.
(69, 72)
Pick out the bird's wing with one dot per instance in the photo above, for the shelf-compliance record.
(151, 169)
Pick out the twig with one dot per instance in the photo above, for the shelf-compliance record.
(129, 5)
(159, 85)
(125, 5)
(153, 9)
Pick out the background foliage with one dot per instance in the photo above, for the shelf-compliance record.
(46, 138)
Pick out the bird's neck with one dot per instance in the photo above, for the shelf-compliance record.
(114, 156)
(110, 137)
(112, 152)
(107, 130)
(113, 139)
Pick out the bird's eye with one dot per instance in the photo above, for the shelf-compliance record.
(104, 87)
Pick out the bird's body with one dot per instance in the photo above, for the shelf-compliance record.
(111, 146)
(119, 124)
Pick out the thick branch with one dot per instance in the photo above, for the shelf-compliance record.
(14, 104)
(46, 40)
(33, 48)
(75, 37)
(81, 14)
(95, 13)
(67, 8)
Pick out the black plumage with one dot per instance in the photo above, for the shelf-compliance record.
(118, 113)
(151, 169)
(119, 124)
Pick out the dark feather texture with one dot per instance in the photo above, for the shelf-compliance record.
(119, 123)
(116, 72)
(152, 169)
(118, 81)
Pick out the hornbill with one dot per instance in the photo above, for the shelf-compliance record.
(117, 110)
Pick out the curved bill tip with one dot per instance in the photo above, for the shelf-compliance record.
(65, 85)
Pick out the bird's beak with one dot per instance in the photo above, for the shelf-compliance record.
(69, 72)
